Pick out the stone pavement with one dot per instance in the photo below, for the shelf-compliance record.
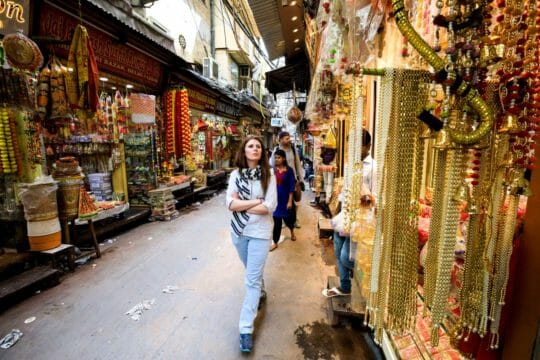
(84, 317)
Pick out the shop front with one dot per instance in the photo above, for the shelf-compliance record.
(93, 126)
(435, 238)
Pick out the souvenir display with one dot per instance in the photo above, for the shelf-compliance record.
(163, 204)
(16, 89)
(178, 126)
(140, 162)
(21, 52)
(82, 83)
(10, 153)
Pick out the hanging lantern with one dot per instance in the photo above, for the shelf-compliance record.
(294, 114)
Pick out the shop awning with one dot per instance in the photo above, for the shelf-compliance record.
(281, 23)
(288, 77)
(136, 22)
(254, 104)
(266, 15)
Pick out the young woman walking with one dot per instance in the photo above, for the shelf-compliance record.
(285, 210)
(251, 198)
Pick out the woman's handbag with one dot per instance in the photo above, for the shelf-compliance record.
(297, 192)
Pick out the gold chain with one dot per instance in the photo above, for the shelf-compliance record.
(396, 295)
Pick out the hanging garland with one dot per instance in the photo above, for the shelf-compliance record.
(185, 123)
(10, 155)
(169, 124)
(178, 123)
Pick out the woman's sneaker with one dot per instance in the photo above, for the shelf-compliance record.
(246, 343)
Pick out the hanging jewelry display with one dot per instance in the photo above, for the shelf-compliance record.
(373, 314)
(474, 297)
(353, 170)
(395, 307)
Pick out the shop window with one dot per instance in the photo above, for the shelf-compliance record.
(245, 70)
(245, 78)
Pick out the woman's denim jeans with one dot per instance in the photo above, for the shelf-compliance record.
(345, 265)
(253, 253)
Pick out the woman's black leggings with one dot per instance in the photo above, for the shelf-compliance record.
(289, 221)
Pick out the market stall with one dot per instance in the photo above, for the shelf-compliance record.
(452, 108)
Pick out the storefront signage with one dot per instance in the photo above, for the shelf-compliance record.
(229, 110)
(201, 101)
(111, 56)
(14, 16)
(277, 122)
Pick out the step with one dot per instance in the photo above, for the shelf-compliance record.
(19, 287)
(325, 228)
(341, 305)
(13, 263)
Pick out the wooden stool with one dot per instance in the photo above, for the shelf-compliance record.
(66, 233)
(339, 307)
(55, 255)
(325, 228)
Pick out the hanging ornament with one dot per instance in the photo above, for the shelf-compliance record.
(294, 114)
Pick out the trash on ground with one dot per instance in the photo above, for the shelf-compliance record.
(38, 292)
(10, 339)
(30, 320)
(94, 265)
(198, 203)
(194, 258)
(136, 312)
(83, 260)
(150, 238)
(170, 289)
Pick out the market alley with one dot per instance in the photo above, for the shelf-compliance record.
(85, 316)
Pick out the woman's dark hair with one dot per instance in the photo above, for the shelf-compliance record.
(281, 152)
(241, 161)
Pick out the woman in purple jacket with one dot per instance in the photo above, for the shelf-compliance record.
(285, 210)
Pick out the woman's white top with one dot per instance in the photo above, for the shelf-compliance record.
(258, 226)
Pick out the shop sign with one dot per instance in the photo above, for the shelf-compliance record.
(119, 59)
(14, 16)
(277, 122)
(201, 101)
(229, 110)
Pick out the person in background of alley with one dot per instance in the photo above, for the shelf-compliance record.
(342, 240)
(285, 211)
(293, 158)
(251, 198)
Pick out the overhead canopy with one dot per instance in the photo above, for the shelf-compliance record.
(281, 23)
(288, 77)
(135, 22)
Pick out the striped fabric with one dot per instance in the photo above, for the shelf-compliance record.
(241, 218)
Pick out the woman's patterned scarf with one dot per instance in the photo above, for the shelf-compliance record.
(241, 218)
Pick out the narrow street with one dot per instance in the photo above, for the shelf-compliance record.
(84, 317)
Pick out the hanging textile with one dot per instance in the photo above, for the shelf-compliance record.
(143, 108)
(82, 81)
